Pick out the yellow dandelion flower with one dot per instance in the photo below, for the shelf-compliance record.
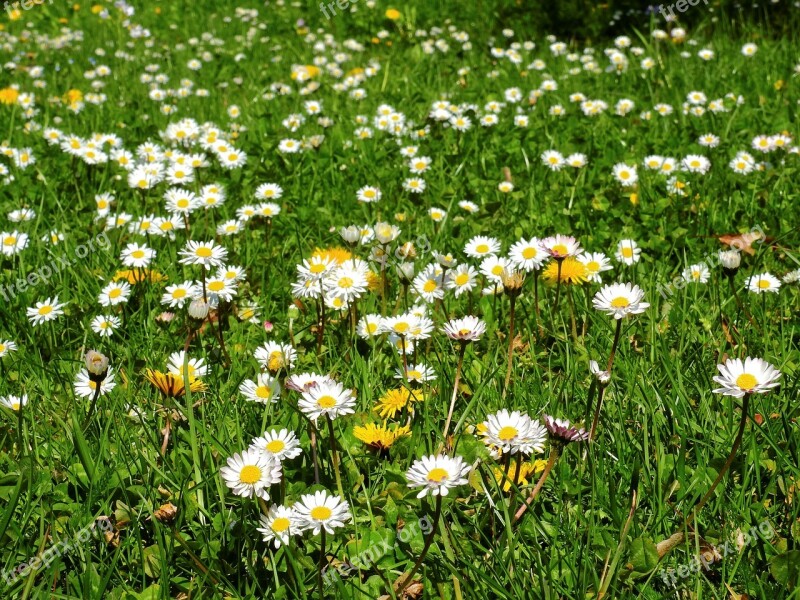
(393, 14)
(525, 471)
(391, 403)
(336, 254)
(134, 276)
(572, 271)
(380, 437)
(72, 96)
(97, 9)
(9, 95)
(374, 282)
(172, 386)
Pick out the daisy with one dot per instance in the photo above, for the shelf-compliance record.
(195, 366)
(494, 267)
(175, 296)
(85, 384)
(6, 347)
(48, 310)
(251, 473)
(620, 300)
(625, 174)
(562, 432)
(468, 206)
(105, 325)
(278, 525)
(368, 194)
(764, 282)
(481, 246)
(627, 252)
(137, 256)
(753, 376)
(301, 382)
(466, 329)
(595, 263)
(461, 279)
(415, 185)
(274, 356)
(328, 399)
(429, 283)
(14, 402)
(264, 390)
(322, 510)
(12, 243)
(207, 254)
(560, 246)
(436, 475)
(513, 432)
(419, 373)
(553, 160)
(369, 326)
(346, 283)
(696, 273)
(114, 293)
(527, 254)
(283, 444)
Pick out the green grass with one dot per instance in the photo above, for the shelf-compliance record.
(662, 437)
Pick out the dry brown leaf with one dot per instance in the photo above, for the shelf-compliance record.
(742, 241)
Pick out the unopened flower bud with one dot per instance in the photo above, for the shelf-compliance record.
(198, 309)
(96, 364)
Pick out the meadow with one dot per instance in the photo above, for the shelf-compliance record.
(411, 300)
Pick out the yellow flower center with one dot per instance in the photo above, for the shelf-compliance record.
(372, 327)
(263, 391)
(763, 284)
(182, 203)
(321, 513)
(560, 249)
(507, 433)
(166, 226)
(137, 254)
(620, 302)
(497, 270)
(115, 293)
(414, 374)
(462, 279)
(203, 252)
(345, 282)
(10, 240)
(326, 402)
(437, 475)
(401, 328)
(746, 381)
(430, 286)
(529, 253)
(280, 524)
(45, 310)
(216, 286)
(275, 361)
(593, 266)
(276, 446)
(249, 474)
(317, 268)
(627, 252)
(179, 293)
(482, 248)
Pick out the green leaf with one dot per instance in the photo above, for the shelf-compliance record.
(785, 568)
(643, 555)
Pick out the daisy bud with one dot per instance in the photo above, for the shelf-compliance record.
(512, 282)
(268, 326)
(293, 312)
(96, 364)
(407, 251)
(198, 309)
(166, 513)
(351, 235)
(405, 271)
(730, 259)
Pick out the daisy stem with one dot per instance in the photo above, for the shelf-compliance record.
(573, 324)
(314, 457)
(614, 345)
(428, 541)
(321, 565)
(97, 389)
(511, 313)
(558, 286)
(536, 300)
(554, 452)
(597, 411)
(461, 353)
(335, 459)
(736, 443)
(269, 235)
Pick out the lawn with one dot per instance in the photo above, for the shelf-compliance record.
(414, 300)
